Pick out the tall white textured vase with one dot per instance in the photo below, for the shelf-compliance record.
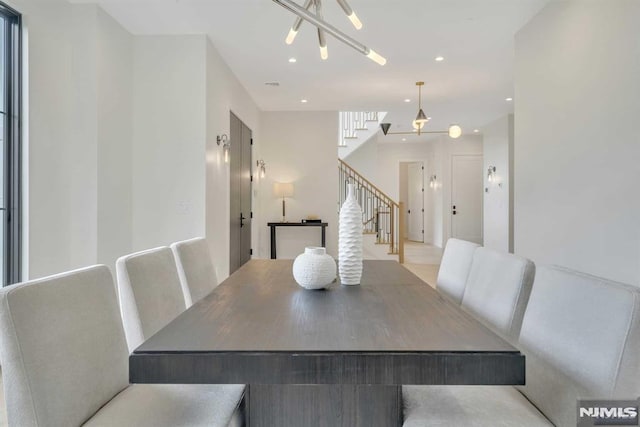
(350, 240)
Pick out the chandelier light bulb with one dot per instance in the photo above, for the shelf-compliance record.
(418, 125)
(291, 36)
(324, 52)
(375, 57)
(355, 21)
(455, 131)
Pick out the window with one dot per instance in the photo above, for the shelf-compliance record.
(10, 215)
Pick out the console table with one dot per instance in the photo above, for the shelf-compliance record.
(274, 225)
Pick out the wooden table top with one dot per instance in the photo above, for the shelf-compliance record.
(260, 308)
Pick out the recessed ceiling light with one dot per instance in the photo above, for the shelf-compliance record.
(272, 84)
(407, 100)
(439, 58)
(404, 139)
(292, 60)
(428, 118)
(476, 130)
(304, 101)
(508, 99)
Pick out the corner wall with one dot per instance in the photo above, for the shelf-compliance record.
(497, 143)
(76, 62)
(577, 105)
(299, 147)
(225, 94)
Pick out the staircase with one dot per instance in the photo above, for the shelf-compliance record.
(356, 127)
(380, 214)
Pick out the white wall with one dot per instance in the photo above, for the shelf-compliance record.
(225, 94)
(169, 130)
(65, 100)
(299, 147)
(115, 134)
(382, 161)
(497, 143)
(576, 138)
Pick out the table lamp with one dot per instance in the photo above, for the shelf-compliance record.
(284, 190)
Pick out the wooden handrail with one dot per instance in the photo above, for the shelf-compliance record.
(369, 183)
(387, 221)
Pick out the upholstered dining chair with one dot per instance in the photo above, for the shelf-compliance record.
(65, 362)
(581, 339)
(195, 269)
(150, 293)
(498, 289)
(455, 267)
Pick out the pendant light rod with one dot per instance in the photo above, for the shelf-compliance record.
(324, 53)
(293, 32)
(330, 29)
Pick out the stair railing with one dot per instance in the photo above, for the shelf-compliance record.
(380, 214)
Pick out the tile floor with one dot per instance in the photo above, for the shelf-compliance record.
(421, 259)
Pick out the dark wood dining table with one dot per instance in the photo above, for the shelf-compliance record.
(336, 357)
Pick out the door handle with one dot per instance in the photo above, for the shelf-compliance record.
(242, 218)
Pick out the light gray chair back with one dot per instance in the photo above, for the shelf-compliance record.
(455, 267)
(150, 293)
(581, 338)
(195, 269)
(497, 291)
(62, 348)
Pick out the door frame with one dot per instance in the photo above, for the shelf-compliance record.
(408, 204)
(249, 217)
(450, 208)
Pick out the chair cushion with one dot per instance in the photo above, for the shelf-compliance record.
(150, 293)
(454, 268)
(172, 405)
(488, 406)
(62, 348)
(581, 339)
(498, 289)
(196, 271)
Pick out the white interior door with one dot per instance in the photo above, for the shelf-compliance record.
(466, 198)
(415, 200)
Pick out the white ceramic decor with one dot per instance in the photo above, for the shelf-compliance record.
(350, 240)
(314, 269)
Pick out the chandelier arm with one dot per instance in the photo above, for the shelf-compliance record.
(417, 133)
(322, 41)
(330, 29)
(298, 21)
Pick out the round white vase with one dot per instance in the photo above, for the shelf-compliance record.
(350, 240)
(314, 269)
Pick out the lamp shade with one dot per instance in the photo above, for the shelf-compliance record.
(283, 189)
(421, 117)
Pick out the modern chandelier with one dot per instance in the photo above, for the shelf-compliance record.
(316, 19)
(421, 119)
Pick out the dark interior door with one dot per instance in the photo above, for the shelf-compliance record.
(240, 193)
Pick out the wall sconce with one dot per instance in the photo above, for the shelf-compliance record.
(491, 174)
(433, 181)
(224, 140)
(262, 170)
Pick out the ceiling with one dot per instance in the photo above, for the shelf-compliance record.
(469, 87)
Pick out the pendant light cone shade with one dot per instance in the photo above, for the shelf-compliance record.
(455, 131)
(421, 118)
(385, 127)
